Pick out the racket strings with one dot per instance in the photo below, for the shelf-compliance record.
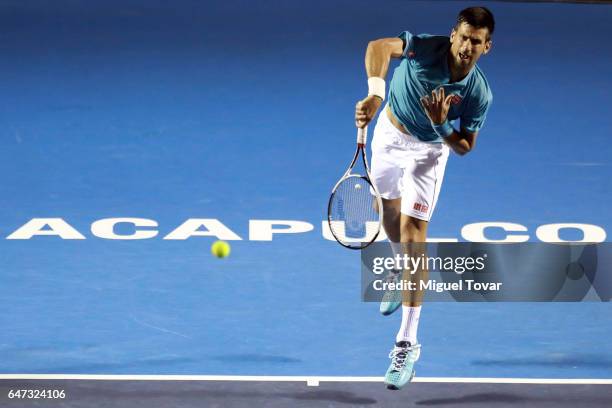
(353, 218)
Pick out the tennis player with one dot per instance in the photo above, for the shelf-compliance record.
(436, 83)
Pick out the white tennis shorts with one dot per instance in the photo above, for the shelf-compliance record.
(407, 168)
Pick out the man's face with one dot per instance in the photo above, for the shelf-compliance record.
(468, 44)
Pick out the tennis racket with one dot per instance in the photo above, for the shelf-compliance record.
(354, 212)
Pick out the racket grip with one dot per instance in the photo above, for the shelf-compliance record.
(362, 136)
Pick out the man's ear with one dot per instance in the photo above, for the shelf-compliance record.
(488, 46)
(452, 35)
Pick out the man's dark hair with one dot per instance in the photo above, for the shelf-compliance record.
(477, 17)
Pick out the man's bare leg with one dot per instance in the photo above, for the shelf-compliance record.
(407, 350)
(413, 232)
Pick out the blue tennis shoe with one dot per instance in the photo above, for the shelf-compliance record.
(401, 371)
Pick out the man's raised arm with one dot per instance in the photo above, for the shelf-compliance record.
(377, 58)
(379, 54)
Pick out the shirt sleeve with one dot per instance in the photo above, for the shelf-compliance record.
(408, 43)
(423, 48)
(474, 117)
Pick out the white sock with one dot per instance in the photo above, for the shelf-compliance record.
(410, 324)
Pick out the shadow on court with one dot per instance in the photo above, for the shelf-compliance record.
(106, 393)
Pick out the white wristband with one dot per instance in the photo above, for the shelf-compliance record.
(376, 86)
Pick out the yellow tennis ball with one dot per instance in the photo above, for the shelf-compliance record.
(220, 249)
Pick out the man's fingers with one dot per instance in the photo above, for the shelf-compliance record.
(361, 114)
(434, 97)
(448, 99)
(364, 111)
(425, 104)
(441, 96)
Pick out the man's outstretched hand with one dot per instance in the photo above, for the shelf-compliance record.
(437, 105)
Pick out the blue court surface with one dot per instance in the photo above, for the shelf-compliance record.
(241, 113)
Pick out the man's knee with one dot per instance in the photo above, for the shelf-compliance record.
(391, 212)
(391, 219)
(413, 229)
(392, 208)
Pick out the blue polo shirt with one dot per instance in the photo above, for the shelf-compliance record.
(423, 68)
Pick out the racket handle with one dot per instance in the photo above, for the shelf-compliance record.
(362, 136)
